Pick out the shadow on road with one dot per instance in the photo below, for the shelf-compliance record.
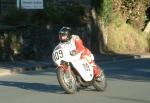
(130, 70)
(33, 86)
(23, 66)
(133, 70)
(48, 72)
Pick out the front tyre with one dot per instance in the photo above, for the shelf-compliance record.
(66, 80)
(100, 85)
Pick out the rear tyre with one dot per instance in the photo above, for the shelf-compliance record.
(67, 81)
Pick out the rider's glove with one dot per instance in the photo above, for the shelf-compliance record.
(73, 52)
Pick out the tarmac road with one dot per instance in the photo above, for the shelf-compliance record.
(128, 82)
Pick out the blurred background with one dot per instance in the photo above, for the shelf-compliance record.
(29, 28)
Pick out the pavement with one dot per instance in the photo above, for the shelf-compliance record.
(8, 68)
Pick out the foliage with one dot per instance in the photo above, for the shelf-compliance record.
(97, 4)
(70, 14)
(127, 22)
(28, 42)
(104, 9)
(52, 14)
(38, 17)
(107, 11)
(122, 37)
(134, 11)
(16, 17)
(10, 46)
(124, 18)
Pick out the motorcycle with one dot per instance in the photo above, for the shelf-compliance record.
(73, 72)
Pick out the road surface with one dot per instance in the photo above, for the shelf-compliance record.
(128, 82)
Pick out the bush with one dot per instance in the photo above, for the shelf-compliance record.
(104, 9)
(52, 14)
(38, 17)
(55, 13)
(14, 16)
(134, 12)
(70, 14)
(122, 37)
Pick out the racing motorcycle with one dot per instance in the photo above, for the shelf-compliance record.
(73, 72)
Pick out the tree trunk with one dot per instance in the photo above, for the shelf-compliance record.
(97, 38)
(147, 28)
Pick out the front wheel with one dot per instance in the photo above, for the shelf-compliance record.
(101, 84)
(67, 80)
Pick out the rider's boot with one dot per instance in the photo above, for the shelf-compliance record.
(97, 73)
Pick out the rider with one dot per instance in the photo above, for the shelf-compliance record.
(66, 36)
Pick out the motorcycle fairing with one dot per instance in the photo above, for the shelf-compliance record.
(84, 69)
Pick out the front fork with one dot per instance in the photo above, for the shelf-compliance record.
(68, 76)
(65, 66)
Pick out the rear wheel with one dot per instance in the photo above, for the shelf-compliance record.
(100, 83)
(67, 80)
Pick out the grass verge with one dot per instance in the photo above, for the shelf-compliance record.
(122, 37)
